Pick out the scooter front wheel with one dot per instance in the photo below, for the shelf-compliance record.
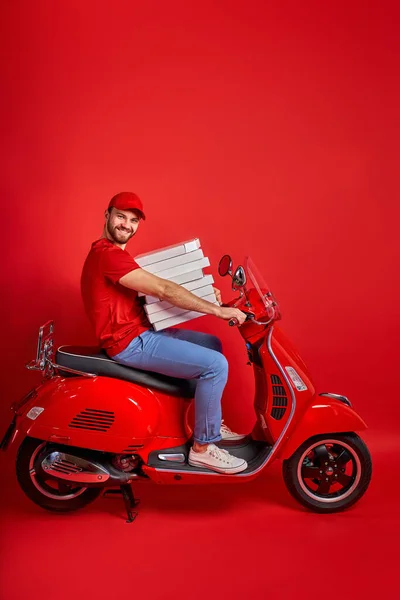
(329, 473)
(46, 492)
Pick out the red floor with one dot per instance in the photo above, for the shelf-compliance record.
(249, 541)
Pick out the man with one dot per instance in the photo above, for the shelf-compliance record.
(110, 283)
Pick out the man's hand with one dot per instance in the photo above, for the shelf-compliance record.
(217, 295)
(232, 313)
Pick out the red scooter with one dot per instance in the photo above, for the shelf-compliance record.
(94, 424)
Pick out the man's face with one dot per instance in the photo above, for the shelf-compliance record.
(122, 224)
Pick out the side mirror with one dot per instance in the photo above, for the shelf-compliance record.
(239, 279)
(225, 266)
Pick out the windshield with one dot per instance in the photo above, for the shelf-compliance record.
(260, 285)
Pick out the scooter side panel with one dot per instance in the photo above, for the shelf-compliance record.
(103, 414)
(321, 418)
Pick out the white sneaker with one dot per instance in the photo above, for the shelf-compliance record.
(228, 435)
(216, 459)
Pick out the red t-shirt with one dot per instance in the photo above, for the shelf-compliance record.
(114, 310)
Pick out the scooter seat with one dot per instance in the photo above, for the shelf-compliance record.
(94, 360)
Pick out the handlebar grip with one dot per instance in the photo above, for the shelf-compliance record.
(233, 322)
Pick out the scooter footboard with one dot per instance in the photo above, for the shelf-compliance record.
(321, 418)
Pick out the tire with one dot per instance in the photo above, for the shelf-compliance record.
(51, 496)
(329, 473)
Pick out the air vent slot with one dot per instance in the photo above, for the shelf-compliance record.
(278, 390)
(132, 449)
(279, 398)
(93, 419)
(66, 467)
(278, 401)
(277, 413)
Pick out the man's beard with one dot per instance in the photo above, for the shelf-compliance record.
(119, 236)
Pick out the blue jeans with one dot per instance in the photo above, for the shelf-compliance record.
(188, 355)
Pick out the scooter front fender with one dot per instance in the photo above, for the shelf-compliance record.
(321, 418)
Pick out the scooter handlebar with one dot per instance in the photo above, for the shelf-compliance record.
(234, 322)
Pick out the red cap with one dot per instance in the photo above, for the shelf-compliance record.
(127, 201)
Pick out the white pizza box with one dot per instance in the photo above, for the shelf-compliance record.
(185, 278)
(190, 285)
(157, 306)
(182, 259)
(198, 283)
(174, 311)
(182, 269)
(143, 260)
(187, 316)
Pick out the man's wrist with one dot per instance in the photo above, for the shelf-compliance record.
(217, 311)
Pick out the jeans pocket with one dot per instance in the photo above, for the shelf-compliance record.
(133, 349)
(136, 345)
(141, 343)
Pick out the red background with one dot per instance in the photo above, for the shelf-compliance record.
(268, 129)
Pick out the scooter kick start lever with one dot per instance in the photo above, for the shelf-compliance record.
(234, 322)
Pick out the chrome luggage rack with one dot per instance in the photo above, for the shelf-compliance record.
(45, 352)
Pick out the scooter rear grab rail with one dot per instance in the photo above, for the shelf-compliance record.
(43, 361)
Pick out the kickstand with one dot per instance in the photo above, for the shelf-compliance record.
(130, 502)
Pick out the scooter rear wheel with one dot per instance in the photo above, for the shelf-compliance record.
(329, 473)
(47, 492)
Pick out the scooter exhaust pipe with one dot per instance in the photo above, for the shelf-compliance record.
(79, 470)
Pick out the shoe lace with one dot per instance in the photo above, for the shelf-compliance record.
(220, 454)
(225, 427)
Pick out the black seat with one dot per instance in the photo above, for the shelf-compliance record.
(94, 360)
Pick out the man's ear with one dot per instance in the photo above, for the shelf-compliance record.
(106, 214)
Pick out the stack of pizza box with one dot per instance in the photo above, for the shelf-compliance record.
(182, 263)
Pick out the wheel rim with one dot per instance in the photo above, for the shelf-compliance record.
(329, 471)
(52, 488)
